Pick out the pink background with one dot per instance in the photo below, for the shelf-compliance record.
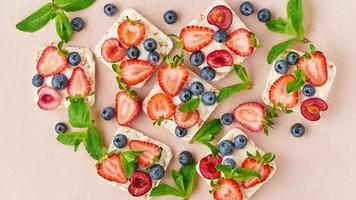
(321, 165)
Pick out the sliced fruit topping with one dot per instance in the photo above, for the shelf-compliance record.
(140, 183)
(312, 107)
(160, 107)
(227, 189)
(50, 62)
(207, 166)
(242, 42)
(112, 51)
(79, 84)
(196, 37)
(172, 79)
(220, 16)
(110, 168)
(48, 98)
(151, 152)
(315, 68)
(132, 72)
(278, 94)
(127, 107)
(219, 58)
(186, 119)
(250, 115)
(131, 33)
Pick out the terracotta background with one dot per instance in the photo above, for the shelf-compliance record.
(321, 165)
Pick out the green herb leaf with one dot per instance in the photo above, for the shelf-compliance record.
(164, 189)
(60, 49)
(73, 5)
(189, 176)
(298, 83)
(190, 106)
(241, 174)
(242, 74)
(63, 26)
(178, 180)
(94, 146)
(280, 26)
(115, 67)
(212, 148)
(128, 159)
(225, 169)
(228, 91)
(208, 132)
(312, 48)
(72, 139)
(295, 15)
(279, 49)
(254, 41)
(36, 20)
(78, 113)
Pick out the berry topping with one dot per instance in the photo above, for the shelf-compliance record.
(74, 58)
(308, 90)
(227, 118)
(110, 168)
(297, 130)
(278, 94)
(247, 8)
(140, 183)
(156, 172)
(312, 107)
(108, 113)
(292, 58)
(78, 84)
(120, 141)
(264, 15)
(160, 107)
(220, 16)
(242, 42)
(48, 98)
(197, 58)
(133, 52)
(186, 119)
(197, 88)
(172, 79)
(281, 67)
(185, 158)
(181, 132)
(208, 73)
(112, 51)
(220, 36)
(131, 33)
(77, 24)
(220, 58)
(153, 57)
(110, 10)
(229, 161)
(250, 115)
(185, 94)
(133, 72)
(60, 127)
(227, 189)
(50, 62)
(226, 147)
(37, 80)
(151, 152)
(127, 107)
(315, 68)
(195, 38)
(240, 141)
(59, 81)
(207, 166)
(209, 98)
(150, 44)
(170, 17)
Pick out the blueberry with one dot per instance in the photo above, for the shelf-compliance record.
(170, 17)
(120, 141)
(308, 90)
(185, 158)
(264, 15)
(227, 118)
(247, 8)
(150, 44)
(108, 113)
(37, 80)
(59, 81)
(153, 57)
(197, 88)
(133, 52)
(135, 165)
(292, 58)
(226, 147)
(110, 10)
(156, 172)
(220, 36)
(208, 73)
(77, 24)
(74, 58)
(281, 66)
(240, 141)
(180, 132)
(197, 58)
(229, 161)
(209, 98)
(297, 130)
(185, 94)
(60, 127)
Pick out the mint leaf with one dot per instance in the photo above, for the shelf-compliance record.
(295, 15)
(164, 189)
(78, 113)
(298, 83)
(208, 131)
(188, 172)
(72, 139)
(228, 91)
(36, 20)
(63, 26)
(225, 169)
(279, 49)
(190, 106)
(73, 5)
(241, 174)
(178, 180)
(212, 148)
(128, 159)
(280, 26)
(60, 49)
(242, 74)
(94, 146)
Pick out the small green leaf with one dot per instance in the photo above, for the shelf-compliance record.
(189, 177)
(212, 148)
(254, 41)
(312, 48)
(298, 83)
(178, 180)
(73, 5)
(242, 74)
(241, 174)
(94, 146)
(191, 105)
(228, 91)
(78, 113)
(295, 15)
(278, 25)
(72, 139)
(36, 20)
(164, 189)
(63, 26)
(208, 131)
(115, 67)
(225, 169)
(60, 49)
(279, 49)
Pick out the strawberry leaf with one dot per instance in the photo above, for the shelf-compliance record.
(190, 106)
(36, 20)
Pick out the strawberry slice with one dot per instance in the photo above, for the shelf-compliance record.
(110, 168)
(250, 115)
(312, 107)
(50, 62)
(172, 79)
(220, 58)
(278, 94)
(131, 33)
(112, 51)
(241, 42)
(132, 72)
(48, 98)
(195, 38)
(78, 84)
(227, 189)
(140, 183)
(207, 166)
(160, 107)
(220, 16)
(186, 119)
(315, 68)
(151, 152)
(127, 107)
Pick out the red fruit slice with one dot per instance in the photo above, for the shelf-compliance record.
(160, 106)
(240, 42)
(207, 166)
(172, 79)
(133, 72)
(227, 189)
(186, 119)
(111, 169)
(278, 92)
(250, 115)
(220, 16)
(131, 33)
(315, 68)
(220, 58)
(127, 108)
(151, 152)
(112, 51)
(48, 98)
(140, 183)
(78, 84)
(50, 62)
(312, 107)
(196, 37)
(263, 170)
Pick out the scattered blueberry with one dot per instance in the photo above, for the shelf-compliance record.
(180, 131)
(229, 161)
(209, 98)
(110, 10)
(135, 165)
(133, 52)
(247, 8)
(197, 88)
(292, 58)
(74, 58)
(226, 147)
(156, 172)
(170, 17)
(60, 127)
(281, 66)
(150, 44)
(220, 36)
(297, 130)
(197, 58)
(227, 118)
(208, 73)
(77, 24)
(185, 158)
(153, 57)
(185, 94)
(120, 141)
(108, 113)
(37, 80)
(264, 15)
(59, 81)
(308, 90)
(240, 141)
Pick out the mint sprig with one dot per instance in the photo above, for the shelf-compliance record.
(238, 174)
(298, 82)
(191, 105)
(128, 159)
